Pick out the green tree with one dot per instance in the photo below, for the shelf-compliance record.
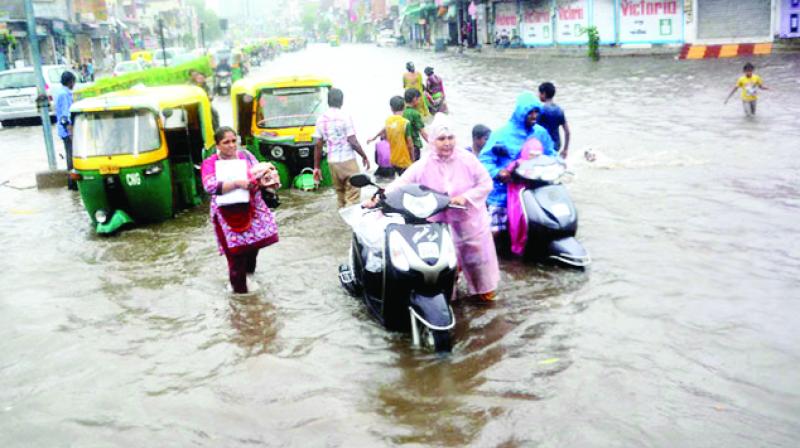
(210, 20)
(310, 17)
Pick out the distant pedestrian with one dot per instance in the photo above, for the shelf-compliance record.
(64, 120)
(480, 134)
(335, 130)
(418, 134)
(434, 92)
(749, 83)
(412, 79)
(90, 70)
(552, 117)
(398, 132)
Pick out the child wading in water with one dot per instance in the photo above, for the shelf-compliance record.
(398, 132)
(749, 83)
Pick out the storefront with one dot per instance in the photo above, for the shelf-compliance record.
(651, 22)
(537, 23)
(571, 19)
(505, 21)
(564, 22)
(727, 20)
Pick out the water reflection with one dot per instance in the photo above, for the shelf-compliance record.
(256, 323)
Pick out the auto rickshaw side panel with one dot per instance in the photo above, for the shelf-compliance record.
(144, 192)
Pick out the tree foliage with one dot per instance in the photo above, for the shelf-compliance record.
(210, 20)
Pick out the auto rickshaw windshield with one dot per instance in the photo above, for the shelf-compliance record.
(109, 133)
(290, 107)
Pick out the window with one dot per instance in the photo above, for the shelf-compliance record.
(17, 80)
(110, 133)
(297, 106)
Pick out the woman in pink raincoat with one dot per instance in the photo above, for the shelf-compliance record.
(459, 174)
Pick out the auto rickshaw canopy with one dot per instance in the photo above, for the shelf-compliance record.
(156, 99)
(243, 110)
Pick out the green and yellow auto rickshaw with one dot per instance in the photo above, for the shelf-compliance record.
(137, 153)
(276, 119)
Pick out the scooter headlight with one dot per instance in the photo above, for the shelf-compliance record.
(100, 216)
(276, 152)
(152, 170)
(420, 206)
(397, 252)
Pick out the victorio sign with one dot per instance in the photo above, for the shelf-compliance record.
(650, 21)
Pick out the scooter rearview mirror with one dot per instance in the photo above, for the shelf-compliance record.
(360, 180)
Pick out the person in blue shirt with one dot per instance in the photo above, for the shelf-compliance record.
(552, 117)
(64, 120)
(89, 70)
(504, 146)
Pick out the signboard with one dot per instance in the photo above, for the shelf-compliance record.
(91, 10)
(650, 21)
(571, 19)
(505, 19)
(537, 24)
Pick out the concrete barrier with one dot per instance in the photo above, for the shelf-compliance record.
(51, 179)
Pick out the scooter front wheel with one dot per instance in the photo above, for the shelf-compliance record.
(442, 342)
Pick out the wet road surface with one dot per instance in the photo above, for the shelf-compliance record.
(683, 332)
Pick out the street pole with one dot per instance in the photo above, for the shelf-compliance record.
(161, 37)
(41, 101)
(203, 35)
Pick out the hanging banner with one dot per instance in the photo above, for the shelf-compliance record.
(537, 25)
(650, 21)
(505, 19)
(571, 19)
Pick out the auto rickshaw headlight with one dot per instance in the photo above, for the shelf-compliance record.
(153, 170)
(303, 152)
(276, 152)
(100, 216)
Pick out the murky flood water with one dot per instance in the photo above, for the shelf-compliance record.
(683, 332)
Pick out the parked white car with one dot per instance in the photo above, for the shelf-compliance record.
(386, 38)
(18, 91)
(128, 67)
(170, 52)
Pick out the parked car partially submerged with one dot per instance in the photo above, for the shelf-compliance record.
(18, 91)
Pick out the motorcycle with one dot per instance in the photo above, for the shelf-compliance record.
(548, 213)
(401, 266)
(222, 83)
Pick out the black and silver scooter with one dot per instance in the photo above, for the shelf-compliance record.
(402, 266)
(222, 82)
(551, 215)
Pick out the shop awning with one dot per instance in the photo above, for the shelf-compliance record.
(411, 10)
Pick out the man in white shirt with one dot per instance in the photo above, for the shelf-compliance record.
(334, 129)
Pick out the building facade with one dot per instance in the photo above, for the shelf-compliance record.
(532, 23)
(103, 31)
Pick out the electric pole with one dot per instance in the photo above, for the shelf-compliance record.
(161, 37)
(41, 101)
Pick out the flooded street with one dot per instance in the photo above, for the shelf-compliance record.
(682, 333)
